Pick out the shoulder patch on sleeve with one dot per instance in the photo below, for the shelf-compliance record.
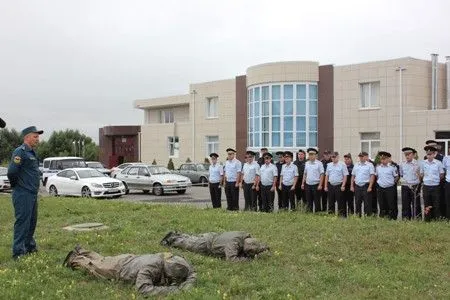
(17, 159)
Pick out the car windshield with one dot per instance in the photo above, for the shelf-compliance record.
(95, 165)
(72, 163)
(89, 174)
(3, 171)
(154, 170)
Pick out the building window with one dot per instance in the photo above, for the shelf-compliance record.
(212, 107)
(166, 116)
(212, 144)
(370, 92)
(282, 115)
(174, 146)
(370, 143)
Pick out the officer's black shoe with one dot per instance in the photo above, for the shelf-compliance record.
(165, 240)
(66, 262)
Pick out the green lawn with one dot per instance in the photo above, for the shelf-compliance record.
(313, 255)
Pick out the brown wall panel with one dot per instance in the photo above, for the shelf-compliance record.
(241, 116)
(325, 107)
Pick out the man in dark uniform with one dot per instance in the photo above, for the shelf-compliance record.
(324, 195)
(235, 246)
(439, 157)
(279, 166)
(348, 195)
(156, 274)
(215, 180)
(300, 163)
(23, 174)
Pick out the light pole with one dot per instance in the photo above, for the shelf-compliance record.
(400, 99)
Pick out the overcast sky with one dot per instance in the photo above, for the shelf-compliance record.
(80, 64)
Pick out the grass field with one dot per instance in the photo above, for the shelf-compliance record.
(312, 255)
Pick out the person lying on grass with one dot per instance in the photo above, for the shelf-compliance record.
(152, 274)
(233, 245)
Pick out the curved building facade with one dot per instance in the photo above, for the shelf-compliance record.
(282, 106)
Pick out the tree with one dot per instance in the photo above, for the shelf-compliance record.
(170, 165)
(154, 162)
(206, 160)
(188, 160)
(9, 140)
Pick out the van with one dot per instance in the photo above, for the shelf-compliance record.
(52, 165)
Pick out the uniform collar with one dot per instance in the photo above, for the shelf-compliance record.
(26, 147)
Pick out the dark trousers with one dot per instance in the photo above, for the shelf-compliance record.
(386, 201)
(443, 202)
(258, 196)
(431, 197)
(300, 194)
(324, 200)
(279, 195)
(447, 198)
(411, 202)
(335, 195)
(349, 200)
(250, 197)
(374, 196)
(232, 194)
(362, 196)
(25, 211)
(216, 194)
(267, 198)
(287, 196)
(312, 197)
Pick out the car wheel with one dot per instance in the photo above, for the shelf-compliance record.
(53, 191)
(85, 192)
(146, 191)
(127, 191)
(181, 192)
(158, 189)
(203, 181)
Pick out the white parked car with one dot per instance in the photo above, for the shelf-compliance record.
(84, 182)
(4, 181)
(157, 179)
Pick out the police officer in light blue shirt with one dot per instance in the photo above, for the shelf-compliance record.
(288, 180)
(268, 183)
(23, 174)
(446, 164)
(431, 172)
(250, 181)
(386, 186)
(363, 177)
(313, 180)
(411, 185)
(215, 180)
(232, 174)
(335, 180)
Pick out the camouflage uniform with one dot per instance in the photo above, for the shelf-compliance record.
(152, 274)
(233, 245)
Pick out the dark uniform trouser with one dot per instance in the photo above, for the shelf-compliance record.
(232, 194)
(287, 196)
(216, 194)
(267, 198)
(324, 200)
(335, 195)
(312, 197)
(280, 200)
(411, 201)
(362, 196)
(447, 198)
(443, 202)
(349, 200)
(374, 196)
(25, 211)
(386, 201)
(299, 193)
(250, 197)
(431, 197)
